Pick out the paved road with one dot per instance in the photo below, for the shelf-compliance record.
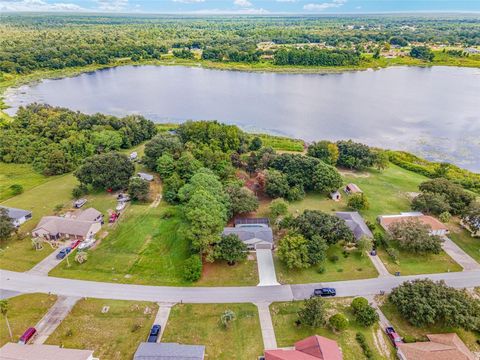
(30, 283)
(266, 268)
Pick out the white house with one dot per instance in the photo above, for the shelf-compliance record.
(18, 216)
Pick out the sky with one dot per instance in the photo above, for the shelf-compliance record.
(242, 6)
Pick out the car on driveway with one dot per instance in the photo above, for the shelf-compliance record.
(323, 292)
(393, 336)
(154, 333)
(27, 335)
(86, 244)
(75, 244)
(79, 203)
(64, 252)
(120, 206)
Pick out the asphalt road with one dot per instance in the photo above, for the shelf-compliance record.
(30, 283)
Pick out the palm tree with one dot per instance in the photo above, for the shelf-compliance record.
(4, 311)
(81, 257)
(37, 243)
(227, 317)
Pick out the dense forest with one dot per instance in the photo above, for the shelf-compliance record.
(57, 140)
(36, 41)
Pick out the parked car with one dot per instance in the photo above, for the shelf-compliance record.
(113, 217)
(325, 292)
(86, 244)
(120, 206)
(154, 333)
(123, 197)
(75, 244)
(79, 203)
(393, 336)
(64, 252)
(27, 335)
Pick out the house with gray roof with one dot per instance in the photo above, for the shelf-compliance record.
(18, 216)
(169, 351)
(255, 236)
(356, 223)
(145, 176)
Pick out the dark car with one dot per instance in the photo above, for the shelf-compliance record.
(393, 336)
(325, 292)
(64, 252)
(154, 334)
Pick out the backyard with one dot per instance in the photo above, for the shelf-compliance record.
(112, 335)
(287, 332)
(199, 324)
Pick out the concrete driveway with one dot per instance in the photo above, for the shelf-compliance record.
(266, 268)
(46, 265)
(460, 256)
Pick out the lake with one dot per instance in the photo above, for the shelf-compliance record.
(432, 112)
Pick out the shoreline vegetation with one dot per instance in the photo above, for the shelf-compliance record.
(8, 80)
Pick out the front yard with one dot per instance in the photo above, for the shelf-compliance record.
(284, 315)
(462, 237)
(114, 335)
(199, 324)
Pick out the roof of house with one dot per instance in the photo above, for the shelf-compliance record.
(387, 220)
(440, 347)
(11, 351)
(248, 232)
(57, 224)
(15, 213)
(89, 214)
(169, 351)
(312, 348)
(250, 221)
(145, 176)
(353, 188)
(356, 223)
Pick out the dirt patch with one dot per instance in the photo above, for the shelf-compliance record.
(380, 343)
(412, 195)
(157, 201)
(354, 173)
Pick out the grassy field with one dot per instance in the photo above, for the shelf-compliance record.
(405, 329)
(280, 142)
(24, 311)
(114, 335)
(21, 174)
(352, 267)
(287, 333)
(463, 239)
(199, 324)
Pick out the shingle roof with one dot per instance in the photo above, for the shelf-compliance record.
(356, 223)
(440, 347)
(387, 220)
(56, 224)
(145, 176)
(249, 232)
(89, 214)
(15, 213)
(11, 351)
(353, 188)
(169, 351)
(312, 348)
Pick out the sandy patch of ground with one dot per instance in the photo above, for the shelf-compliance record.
(356, 174)
(380, 343)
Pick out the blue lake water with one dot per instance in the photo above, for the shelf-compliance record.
(433, 112)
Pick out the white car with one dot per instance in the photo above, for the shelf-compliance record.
(121, 205)
(86, 244)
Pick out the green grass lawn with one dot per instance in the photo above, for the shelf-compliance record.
(405, 329)
(114, 335)
(352, 267)
(19, 255)
(24, 311)
(199, 324)
(462, 237)
(287, 333)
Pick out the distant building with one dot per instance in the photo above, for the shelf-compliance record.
(145, 176)
(255, 233)
(18, 216)
(352, 189)
(439, 347)
(312, 348)
(169, 351)
(356, 223)
(436, 227)
(133, 156)
(335, 196)
(472, 50)
(11, 351)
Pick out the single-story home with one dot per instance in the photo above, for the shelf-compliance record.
(439, 347)
(18, 216)
(252, 221)
(312, 348)
(169, 351)
(356, 223)
(352, 189)
(254, 235)
(145, 176)
(85, 225)
(437, 227)
(11, 351)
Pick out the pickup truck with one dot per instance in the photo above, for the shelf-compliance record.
(154, 334)
(325, 292)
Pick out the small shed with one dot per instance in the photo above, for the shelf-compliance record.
(336, 196)
(145, 176)
(352, 189)
(133, 156)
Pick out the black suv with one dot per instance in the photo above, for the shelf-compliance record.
(325, 292)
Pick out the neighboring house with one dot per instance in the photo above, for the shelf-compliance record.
(473, 233)
(83, 226)
(336, 196)
(169, 351)
(356, 223)
(439, 347)
(437, 227)
(255, 233)
(352, 189)
(133, 156)
(145, 176)
(11, 351)
(18, 216)
(312, 348)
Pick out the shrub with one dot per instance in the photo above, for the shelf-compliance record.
(393, 253)
(333, 258)
(79, 191)
(16, 189)
(313, 312)
(357, 202)
(363, 344)
(445, 217)
(192, 270)
(321, 269)
(338, 322)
